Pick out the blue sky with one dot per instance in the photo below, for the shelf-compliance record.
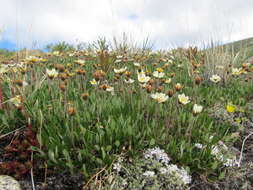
(167, 23)
(5, 44)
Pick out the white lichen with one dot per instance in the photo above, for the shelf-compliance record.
(157, 154)
(149, 174)
(222, 153)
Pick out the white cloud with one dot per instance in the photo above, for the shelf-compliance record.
(166, 22)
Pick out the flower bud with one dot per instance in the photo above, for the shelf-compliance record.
(170, 93)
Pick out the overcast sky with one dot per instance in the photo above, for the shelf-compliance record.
(168, 23)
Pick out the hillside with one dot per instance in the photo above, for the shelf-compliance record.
(244, 46)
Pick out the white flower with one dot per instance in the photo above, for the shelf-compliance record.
(117, 167)
(117, 61)
(215, 78)
(142, 78)
(149, 173)
(183, 99)
(159, 97)
(121, 70)
(119, 57)
(198, 145)
(168, 81)
(109, 89)
(52, 73)
(3, 69)
(158, 74)
(56, 53)
(143, 85)
(94, 82)
(220, 67)
(236, 71)
(80, 61)
(137, 64)
(169, 61)
(129, 81)
(197, 109)
(157, 154)
(24, 83)
(32, 59)
(17, 100)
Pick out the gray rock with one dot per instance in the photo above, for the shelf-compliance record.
(8, 183)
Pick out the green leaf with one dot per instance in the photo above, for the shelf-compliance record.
(108, 148)
(97, 148)
(99, 161)
(52, 156)
(103, 152)
(222, 175)
(39, 138)
(117, 143)
(66, 154)
(214, 165)
(152, 142)
(36, 149)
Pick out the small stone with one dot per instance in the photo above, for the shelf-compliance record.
(8, 183)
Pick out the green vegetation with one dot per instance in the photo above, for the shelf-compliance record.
(87, 107)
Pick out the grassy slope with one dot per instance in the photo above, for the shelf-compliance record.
(244, 46)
